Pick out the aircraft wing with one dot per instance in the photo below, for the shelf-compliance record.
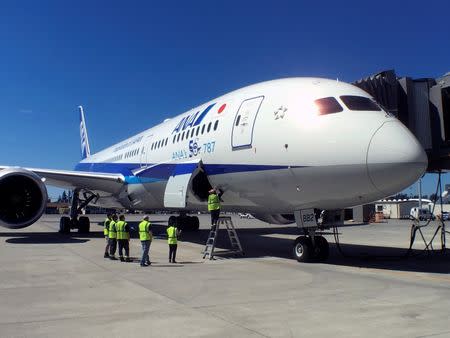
(110, 183)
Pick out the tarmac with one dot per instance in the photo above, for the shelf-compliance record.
(54, 285)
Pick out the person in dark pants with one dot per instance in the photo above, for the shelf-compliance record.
(172, 240)
(112, 234)
(214, 206)
(123, 238)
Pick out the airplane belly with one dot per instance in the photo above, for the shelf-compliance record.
(285, 190)
(330, 187)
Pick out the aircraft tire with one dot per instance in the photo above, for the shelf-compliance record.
(64, 225)
(172, 220)
(302, 249)
(84, 224)
(322, 248)
(194, 223)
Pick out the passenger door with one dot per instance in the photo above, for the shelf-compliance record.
(145, 151)
(242, 132)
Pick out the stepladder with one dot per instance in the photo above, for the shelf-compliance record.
(235, 243)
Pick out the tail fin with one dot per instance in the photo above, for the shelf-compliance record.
(85, 149)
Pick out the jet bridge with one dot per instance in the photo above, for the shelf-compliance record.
(423, 105)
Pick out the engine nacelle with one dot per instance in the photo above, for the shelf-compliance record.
(276, 218)
(23, 197)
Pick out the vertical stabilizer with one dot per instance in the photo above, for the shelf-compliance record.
(85, 149)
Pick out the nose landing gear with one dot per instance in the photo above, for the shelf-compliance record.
(310, 247)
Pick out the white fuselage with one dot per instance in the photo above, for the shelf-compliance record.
(271, 152)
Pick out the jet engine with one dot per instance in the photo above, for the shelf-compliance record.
(276, 218)
(23, 197)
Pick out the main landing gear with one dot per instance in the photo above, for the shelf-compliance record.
(310, 248)
(186, 223)
(81, 223)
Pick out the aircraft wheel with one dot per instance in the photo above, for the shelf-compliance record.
(322, 248)
(302, 249)
(84, 224)
(172, 220)
(64, 225)
(194, 223)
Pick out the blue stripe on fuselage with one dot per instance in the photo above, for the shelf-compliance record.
(161, 172)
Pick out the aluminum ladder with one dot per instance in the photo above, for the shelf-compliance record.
(236, 247)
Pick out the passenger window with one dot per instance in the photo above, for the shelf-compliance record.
(203, 128)
(216, 124)
(198, 130)
(178, 138)
(209, 127)
(182, 136)
(167, 140)
(192, 132)
(174, 137)
(359, 103)
(328, 105)
(238, 120)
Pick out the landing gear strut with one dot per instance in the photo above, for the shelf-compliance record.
(310, 248)
(186, 223)
(81, 223)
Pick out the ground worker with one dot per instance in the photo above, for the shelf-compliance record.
(105, 232)
(145, 235)
(123, 238)
(112, 234)
(214, 206)
(172, 236)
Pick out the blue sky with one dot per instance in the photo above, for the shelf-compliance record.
(132, 64)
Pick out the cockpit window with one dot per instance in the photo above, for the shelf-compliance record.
(328, 105)
(359, 103)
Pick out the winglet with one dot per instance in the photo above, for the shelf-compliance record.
(85, 149)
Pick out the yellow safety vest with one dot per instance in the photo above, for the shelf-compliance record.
(213, 202)
(172, 235)
(122, 233)
(106, 227)
(112, 230)
(144, 231)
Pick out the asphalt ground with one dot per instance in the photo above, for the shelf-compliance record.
(54, 285)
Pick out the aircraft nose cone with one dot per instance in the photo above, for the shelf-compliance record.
(395, 159)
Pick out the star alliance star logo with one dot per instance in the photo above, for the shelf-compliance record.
(280, 112)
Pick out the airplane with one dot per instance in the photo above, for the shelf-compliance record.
(278, 149)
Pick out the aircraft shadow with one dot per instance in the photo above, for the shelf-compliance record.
(256, 243)
(50, 237)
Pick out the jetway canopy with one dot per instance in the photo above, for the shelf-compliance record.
(423, 105)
